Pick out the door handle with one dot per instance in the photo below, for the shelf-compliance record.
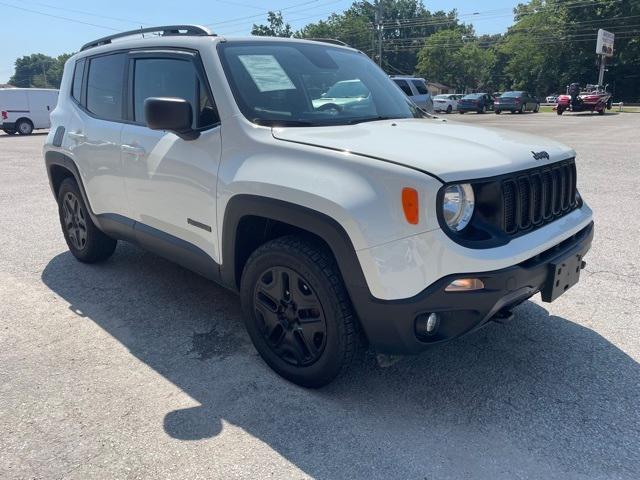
(133, 150)
(78, 136)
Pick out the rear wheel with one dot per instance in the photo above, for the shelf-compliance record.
(85, 241)
(24, 127)
(498, 112)
(523, 109)
(560, 110)
(449, 109)
(461, 112)
(483, 109)
(297, 311)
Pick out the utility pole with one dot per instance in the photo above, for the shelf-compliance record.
(379, 23)
(44, 75)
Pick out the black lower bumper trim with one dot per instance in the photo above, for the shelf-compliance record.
(389, 324)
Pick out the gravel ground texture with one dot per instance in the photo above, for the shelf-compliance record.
(137, 368)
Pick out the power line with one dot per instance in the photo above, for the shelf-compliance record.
(91, 14)
(58, 17)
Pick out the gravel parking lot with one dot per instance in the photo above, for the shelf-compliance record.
(137, 368)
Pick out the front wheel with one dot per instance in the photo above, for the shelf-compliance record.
(483, 109)
(85, 241)
(297, 311)
(498, 112)
(522, 109)
(449, 109)
(560, 110)
(461, 112)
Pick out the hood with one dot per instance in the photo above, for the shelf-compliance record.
(450, 151)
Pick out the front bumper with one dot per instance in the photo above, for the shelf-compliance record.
(390, 324)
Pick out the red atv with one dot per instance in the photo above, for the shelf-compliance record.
(594, 98)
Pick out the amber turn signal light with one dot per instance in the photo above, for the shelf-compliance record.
(410, 205)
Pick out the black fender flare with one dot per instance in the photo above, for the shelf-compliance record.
(303, 218)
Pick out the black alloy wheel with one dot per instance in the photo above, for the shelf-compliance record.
(290, 316)
(74, 220)
(85, 241)
(297, 310)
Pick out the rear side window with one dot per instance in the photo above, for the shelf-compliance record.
(171, 77)
(404, 86)
(105, 86)
(76, 88)
(420, 87)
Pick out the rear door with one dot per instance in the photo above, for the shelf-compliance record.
(171, 183)
(14, 102)
(94, 128)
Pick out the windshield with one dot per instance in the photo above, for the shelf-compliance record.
(511, 94)
(442, 97)
(301, 84)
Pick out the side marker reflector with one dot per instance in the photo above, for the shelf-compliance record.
(410, 205)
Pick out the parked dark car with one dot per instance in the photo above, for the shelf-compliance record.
(519, 101)
(475, 102)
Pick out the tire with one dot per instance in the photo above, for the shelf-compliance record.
(560, 111)
(24, 127)
(483, 109)
(523, 109)
(85, 241)
(308, 353)
(536, 109)
(449, 109)
(498, 112)
(601, 112)
(460, 112)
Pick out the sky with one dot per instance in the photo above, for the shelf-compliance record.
(43, 26)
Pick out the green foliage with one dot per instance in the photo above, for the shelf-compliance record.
(39, 71)
(276, 27)
(456, 59)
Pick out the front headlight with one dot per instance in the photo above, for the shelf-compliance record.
(457, 205)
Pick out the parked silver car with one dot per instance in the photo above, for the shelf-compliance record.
(416, 90)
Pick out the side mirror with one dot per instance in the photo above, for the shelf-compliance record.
(171, 114)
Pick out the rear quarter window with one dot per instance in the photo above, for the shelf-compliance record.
(76, 87)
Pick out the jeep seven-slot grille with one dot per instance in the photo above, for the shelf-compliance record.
(537, 197)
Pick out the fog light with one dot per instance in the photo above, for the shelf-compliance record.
(465, 285)
(427, 324)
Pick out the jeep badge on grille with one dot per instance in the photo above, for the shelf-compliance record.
(540, 155)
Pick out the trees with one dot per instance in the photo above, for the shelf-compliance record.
(39, 71)
(455, 58)
(276, 27)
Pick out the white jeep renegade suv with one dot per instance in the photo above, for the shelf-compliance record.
(337, 220)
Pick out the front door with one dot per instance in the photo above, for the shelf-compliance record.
(170, 182)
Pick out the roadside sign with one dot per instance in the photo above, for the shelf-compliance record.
(604, 46)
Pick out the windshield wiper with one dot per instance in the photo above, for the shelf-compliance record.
(282, 123)
(369, 119)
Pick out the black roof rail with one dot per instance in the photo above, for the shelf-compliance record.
(329, 40)
(165, 30)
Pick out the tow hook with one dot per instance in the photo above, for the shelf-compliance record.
(503, 316)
